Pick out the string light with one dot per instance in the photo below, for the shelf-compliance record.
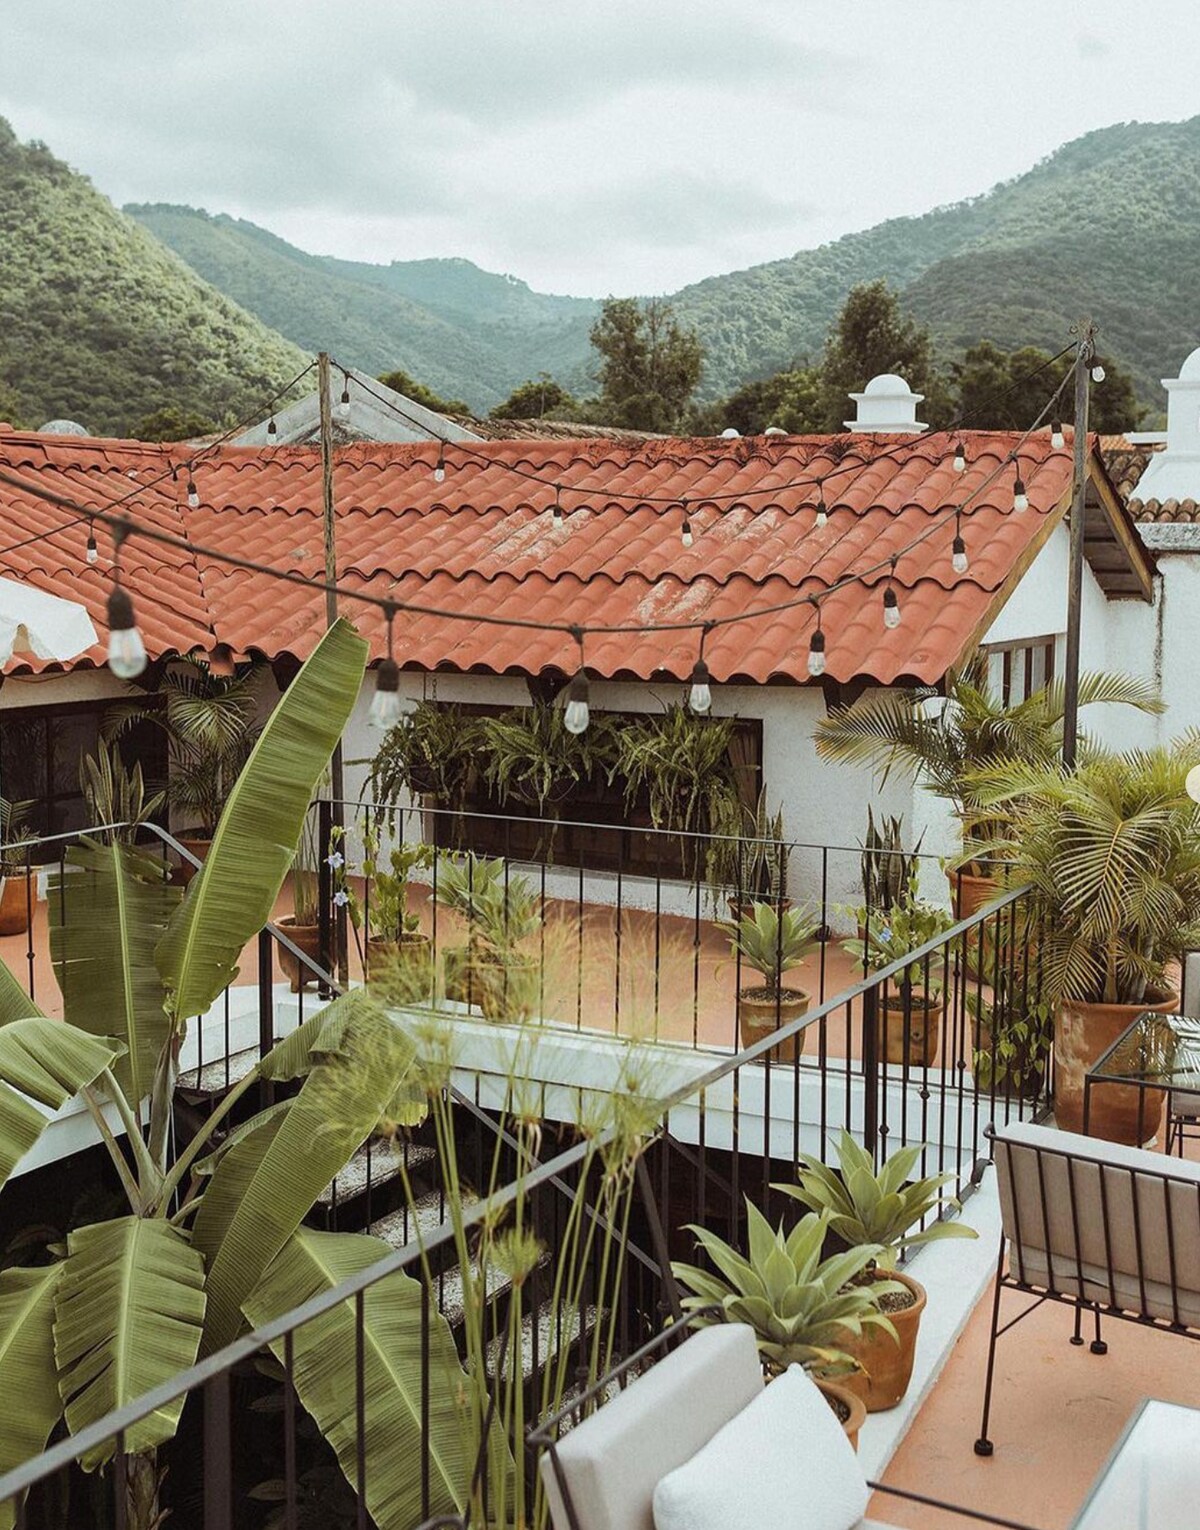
(93, 552)
(343, 408)
(556, 514)
(958, 548)
(891, 603)
(700, 696)
(193, 494)
(384, 712)
(576, 715)
(816, 648)
(1057, 439)
(1020, 498)
(272, 432)
(439, 472)
(685, 531)
(1098, 372)
(822, 512)
(960, 458)
(126, 650)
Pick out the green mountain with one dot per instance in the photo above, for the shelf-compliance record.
(462, 331)
(100, 323)
(1108, 226)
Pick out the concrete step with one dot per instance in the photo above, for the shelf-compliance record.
(376, 1164)
(542, 1336)
(219, 1075)
(425, 1216)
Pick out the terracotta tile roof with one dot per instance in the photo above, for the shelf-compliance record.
(484, 541)
(1126, 461)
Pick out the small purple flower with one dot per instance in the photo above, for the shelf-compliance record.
(337, 860)
(886, 932)
(341, 898)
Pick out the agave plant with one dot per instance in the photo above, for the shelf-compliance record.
(213, 1237)
(876, 1210)
(771, 942)
(1113, 853)
(944, 746)
(798, 1304)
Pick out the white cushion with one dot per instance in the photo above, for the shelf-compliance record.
(784, 1460)
(612, 1460)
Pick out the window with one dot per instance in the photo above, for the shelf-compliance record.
(41, 749)
(595, 830)
(1016, 670)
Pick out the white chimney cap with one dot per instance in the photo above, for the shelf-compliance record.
(887, 406)
(1175, 472)
(729, 433)
(1191, 367)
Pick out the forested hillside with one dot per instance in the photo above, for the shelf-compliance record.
(100, 323)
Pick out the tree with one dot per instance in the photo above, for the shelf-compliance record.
(537, 399)
(171, 423)
(10, 405)
(871, 336)
(1007, 390)
(790, 400)
(401, 382)
(649, 364)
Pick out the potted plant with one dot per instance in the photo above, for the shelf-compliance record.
(771, 942)
(908, 1020)
(801, 1306)
(508, 917)
(14, 868)
(429, 753)
(211, 726)
(116, 794)
(303, 925)
(879, 1212)
(755, 863)
(1112, 851)
(461, 886)
(530, 757)
(944, 742)
(1012, 1020)
(679, 765)
(887, 869)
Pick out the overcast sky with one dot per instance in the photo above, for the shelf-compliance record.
(589, 146)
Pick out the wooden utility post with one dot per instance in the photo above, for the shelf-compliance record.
(336, 771)
(1085, 350)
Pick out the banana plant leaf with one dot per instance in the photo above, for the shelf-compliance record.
(231, 897)
(323, 1360)
(47, 1061)
(105, 921)
(29, 1401)
(129, 1311)
(261, 1191)
(15, 1003)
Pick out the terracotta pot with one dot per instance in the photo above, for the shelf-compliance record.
(758, 1017)
(509, 988)
(969, 893)
(199, 848)
(308, 938)
(909, 1034)
(1117, 1112)
(381, 954)
(887, 1363)
(15, 902)
(837, 1391)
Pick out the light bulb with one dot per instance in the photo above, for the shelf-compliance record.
(1057, 439)
(1020, 498)
(959, 561)
(891, 608)
(1098, 372)
(816, 653)
(385, 704)
(93, 552)
(575, 718)
(193, 494)
(822, 513)
(343, 408)
(960, 458)
(439, 472)
(700, 698)
(126, 651)
(272, 431)
(686, 534)
(556, 514)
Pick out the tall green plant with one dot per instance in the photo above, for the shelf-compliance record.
(528, 754)
(430, 751)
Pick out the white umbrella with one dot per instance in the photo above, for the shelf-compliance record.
(33, 622)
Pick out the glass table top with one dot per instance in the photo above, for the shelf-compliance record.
(1152, 1478)
(1158, 1049)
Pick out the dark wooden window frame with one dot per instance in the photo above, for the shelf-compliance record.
(1018, 660)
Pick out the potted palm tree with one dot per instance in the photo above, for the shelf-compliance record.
(943, 743)
(14, 868)
(462, 886)
(880, 1212)
(211, 726)
(1112, 851)
(803, 1308)
(907, 1020)
(772, 942)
